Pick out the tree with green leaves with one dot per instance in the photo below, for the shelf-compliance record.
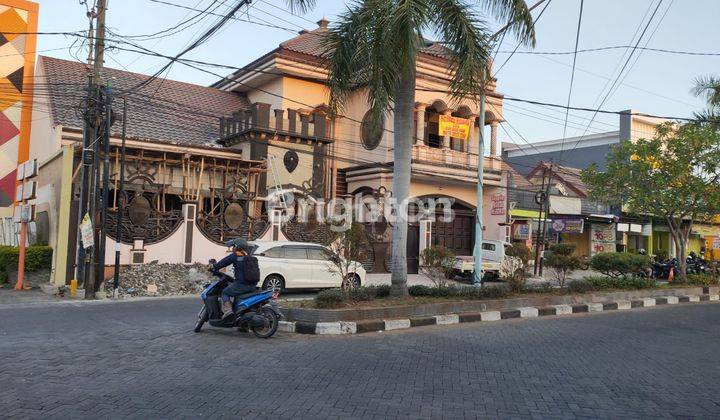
(374, 46)
(675, 175)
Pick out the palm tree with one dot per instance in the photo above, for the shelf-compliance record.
(374, 45)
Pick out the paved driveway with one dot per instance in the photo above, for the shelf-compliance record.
(140, 359)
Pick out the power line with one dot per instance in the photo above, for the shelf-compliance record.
(572, 79)
(621, 71)
(518, 45)
(615, 47)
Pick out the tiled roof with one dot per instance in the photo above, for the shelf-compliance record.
(311, 43)
(568, 175)
(165, 110)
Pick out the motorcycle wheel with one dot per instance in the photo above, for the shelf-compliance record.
(271, 324)
(202, 319)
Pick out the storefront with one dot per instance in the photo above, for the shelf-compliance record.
(636, 236)
(705, 241)
(572, 230)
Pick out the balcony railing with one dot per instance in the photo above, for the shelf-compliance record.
(312, 126)
(449, 157)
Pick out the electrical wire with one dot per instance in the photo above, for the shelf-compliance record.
(572, 79)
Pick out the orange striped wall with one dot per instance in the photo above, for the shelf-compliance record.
(18, 25)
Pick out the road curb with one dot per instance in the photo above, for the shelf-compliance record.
(367, 326)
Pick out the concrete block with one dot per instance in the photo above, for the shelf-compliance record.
(396, 324)
(647, 302)
(595, 307)
(672, 300)
(447, 319)
(328, 328)
(347, 327)
(563, 310)
(714, 297)
(693, 298)
(286, 326)
(528, 312)
(623, 305)
(490, 316)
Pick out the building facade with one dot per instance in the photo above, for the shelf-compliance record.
(18, 28)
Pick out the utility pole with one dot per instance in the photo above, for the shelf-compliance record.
(477, 249)
(93, 117)
(121, 203)
(542, 198)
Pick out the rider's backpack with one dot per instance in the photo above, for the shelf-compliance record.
(251, 270)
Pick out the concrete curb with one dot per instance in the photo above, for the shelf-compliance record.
(366, 326)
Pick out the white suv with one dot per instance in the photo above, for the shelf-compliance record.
(302, 265)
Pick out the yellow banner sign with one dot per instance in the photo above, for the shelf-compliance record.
(456, 127)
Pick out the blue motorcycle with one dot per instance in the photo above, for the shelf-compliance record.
(256, 311)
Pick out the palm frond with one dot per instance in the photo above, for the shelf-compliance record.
(466, 39)
(363, 50)
(709, 88)
(517, 14)
(300, 6)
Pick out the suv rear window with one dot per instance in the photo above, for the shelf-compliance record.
(318, 254)
(295, 253)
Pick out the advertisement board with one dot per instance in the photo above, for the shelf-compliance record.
(456, 127)
(572, 225)
(602, 238)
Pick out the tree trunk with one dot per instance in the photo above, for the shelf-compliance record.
(403, 134)
(680, 239)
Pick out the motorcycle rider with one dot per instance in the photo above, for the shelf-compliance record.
(240, 249)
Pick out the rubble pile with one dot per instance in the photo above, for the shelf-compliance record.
(167, 279)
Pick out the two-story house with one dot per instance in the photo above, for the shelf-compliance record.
(313, 155)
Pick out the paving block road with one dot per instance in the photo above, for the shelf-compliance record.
(142, 360)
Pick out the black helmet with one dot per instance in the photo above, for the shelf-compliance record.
(238, 243)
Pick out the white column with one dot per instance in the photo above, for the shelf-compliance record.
(420, 127)
(493, 138)
(472, 138)
(446, 138)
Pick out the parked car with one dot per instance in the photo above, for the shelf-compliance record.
(302, 265)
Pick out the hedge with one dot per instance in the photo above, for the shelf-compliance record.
(596, 283)
(619, 264)
(37, 257)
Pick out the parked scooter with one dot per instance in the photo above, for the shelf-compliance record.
(696, 265)
(661, 269)
(256, 311)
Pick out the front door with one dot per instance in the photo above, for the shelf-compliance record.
(457, 235)
(298, 268)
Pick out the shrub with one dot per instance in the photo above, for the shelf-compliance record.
(544, 287)
(489, 292)
(618, 264)
(437, 264)
(512, 271)
(37, 257)
(701, 280)
(562, 261)
(622, 283)
(329, 298)
(580, 286)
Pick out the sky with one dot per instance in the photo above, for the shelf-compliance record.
(653, 82)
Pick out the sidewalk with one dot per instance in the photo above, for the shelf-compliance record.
(10, 296)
